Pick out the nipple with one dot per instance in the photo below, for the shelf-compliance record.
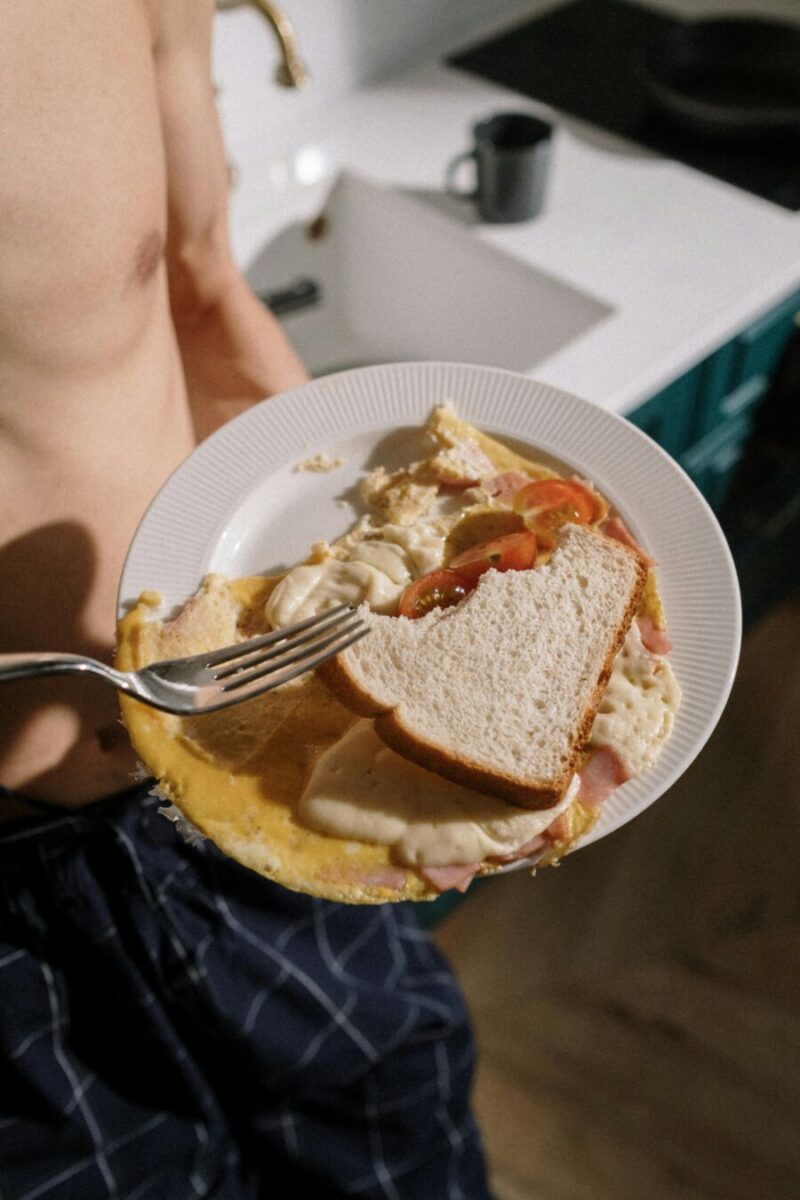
(149, 256)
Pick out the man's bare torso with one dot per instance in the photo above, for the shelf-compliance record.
(93, 412)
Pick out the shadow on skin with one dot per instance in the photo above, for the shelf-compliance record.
(47, 577)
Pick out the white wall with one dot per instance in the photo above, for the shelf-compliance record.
(344, 43)
(348, 42)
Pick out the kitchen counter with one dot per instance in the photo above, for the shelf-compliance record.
(683, 260)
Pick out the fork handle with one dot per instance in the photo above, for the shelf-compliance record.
(28, 666)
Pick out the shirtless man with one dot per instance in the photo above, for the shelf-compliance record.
(112, 203)
(164, 1014)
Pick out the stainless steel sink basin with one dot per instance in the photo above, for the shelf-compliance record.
(383, 277)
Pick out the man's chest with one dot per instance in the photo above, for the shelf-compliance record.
(82, 188)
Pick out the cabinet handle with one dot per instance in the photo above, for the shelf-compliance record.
(744, 396)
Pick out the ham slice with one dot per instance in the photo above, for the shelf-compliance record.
(502, 487)
(653, 639)
(460, 466)
(457, 877)
(616, 528)
(602, 773)
(527, 851)
(558, 829)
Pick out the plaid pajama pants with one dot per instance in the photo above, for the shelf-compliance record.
(172, 1026)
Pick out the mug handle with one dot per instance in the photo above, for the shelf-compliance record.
(450, 176)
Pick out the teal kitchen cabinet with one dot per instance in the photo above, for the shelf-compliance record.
(711, 462)
(704, 418)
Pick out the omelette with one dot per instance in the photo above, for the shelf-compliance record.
(298, 788)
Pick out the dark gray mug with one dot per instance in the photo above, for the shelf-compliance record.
(512, 158)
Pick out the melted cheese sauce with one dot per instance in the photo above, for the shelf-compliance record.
(637, 712)
(360, 789)
(376, 567)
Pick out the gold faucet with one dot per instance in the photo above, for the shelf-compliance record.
(291, 71)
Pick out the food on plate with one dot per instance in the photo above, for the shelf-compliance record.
(515, 676)
(499, 692)
(319, 464)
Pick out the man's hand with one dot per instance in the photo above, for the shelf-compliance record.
(234, 351)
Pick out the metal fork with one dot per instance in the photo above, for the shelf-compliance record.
(206, 682)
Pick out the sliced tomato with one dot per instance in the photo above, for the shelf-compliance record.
(546, 504)
(510, 552)
(437, 589)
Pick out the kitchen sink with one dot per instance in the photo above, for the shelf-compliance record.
(382, 276)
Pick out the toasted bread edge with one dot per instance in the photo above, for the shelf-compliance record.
(531, 794)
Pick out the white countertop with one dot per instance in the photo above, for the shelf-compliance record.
(684, 260)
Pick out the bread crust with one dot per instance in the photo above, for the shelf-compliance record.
(536, 794)
(532, 793)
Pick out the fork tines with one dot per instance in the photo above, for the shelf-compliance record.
(301, 646)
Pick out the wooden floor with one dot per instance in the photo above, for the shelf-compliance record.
(637, 1010)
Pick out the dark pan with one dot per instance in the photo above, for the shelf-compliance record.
(728, 77)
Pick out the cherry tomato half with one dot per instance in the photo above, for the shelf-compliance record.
(437, 589)
(510, 552)
(546, 504)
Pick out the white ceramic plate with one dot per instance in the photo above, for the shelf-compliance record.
(239, 506)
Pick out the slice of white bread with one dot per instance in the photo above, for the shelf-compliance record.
(500, 691)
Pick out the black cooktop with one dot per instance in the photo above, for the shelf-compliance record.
(584, 60)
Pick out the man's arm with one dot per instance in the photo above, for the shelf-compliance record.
(234, 351)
